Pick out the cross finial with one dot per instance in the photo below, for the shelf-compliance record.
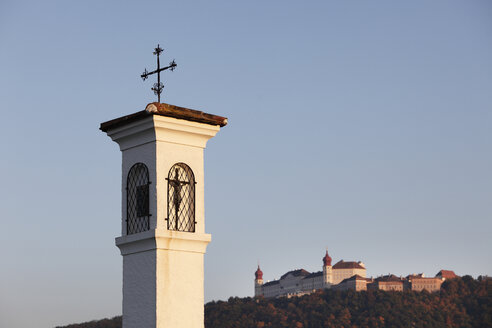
(158, 50)
(159, 86)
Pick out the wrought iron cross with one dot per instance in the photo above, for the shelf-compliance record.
(176, 184)
(157, 88)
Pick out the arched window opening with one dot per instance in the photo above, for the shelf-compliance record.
(181, 198)
(137, 199)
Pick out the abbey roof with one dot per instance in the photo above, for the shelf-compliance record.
(314, 274)
(347, 265)
(296, 273)
(447, 274)
(389, 278)
(356, 277)
(271, 283)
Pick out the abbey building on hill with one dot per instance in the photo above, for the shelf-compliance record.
(342, 276)
(299, 282)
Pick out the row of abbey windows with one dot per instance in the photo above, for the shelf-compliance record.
(180, 199)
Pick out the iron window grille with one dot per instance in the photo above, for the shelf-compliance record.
(181, 198)
(137, 199)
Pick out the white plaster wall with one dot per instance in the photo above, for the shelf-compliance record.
(293, 286)
(361, 285)
(327, 275)
(307, 284)
(290, 284)
(271, 290)
(311, 283)
(341, 274)
(258, 287)
(180, 301)
(139, 290)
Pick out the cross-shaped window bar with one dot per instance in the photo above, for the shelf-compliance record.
(181, 198)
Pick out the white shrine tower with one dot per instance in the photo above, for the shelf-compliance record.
(163, 237)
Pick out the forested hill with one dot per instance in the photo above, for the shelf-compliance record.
(104, 323)
(462, 302)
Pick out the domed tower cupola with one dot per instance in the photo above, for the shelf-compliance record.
(258, 274)
(258, 282)
(327, 271)
(327, 259)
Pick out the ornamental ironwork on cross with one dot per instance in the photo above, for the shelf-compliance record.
(157, 88)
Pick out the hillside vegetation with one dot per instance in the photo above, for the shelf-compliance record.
(104, 323)
(462, 302)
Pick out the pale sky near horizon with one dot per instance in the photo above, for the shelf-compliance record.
(361, 126)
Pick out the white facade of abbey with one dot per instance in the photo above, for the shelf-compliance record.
(300, 282)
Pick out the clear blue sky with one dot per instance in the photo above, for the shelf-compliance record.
(361, 126)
